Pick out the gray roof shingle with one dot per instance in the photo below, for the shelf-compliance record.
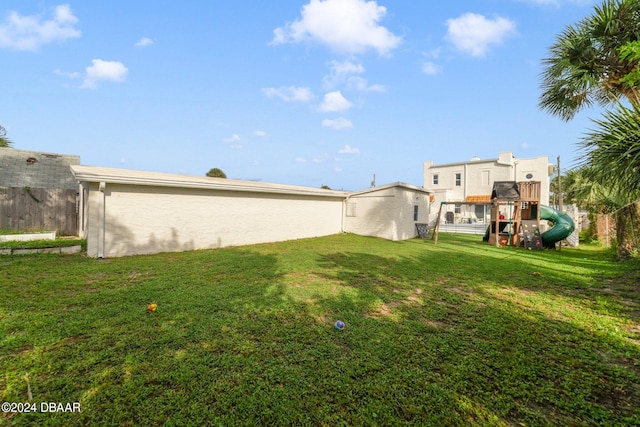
(22, 168)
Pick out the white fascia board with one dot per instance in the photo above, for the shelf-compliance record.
(160, 179)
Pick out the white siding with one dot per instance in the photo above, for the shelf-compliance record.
(146, 219)
(387, 213)
(134, 212)
(478, 176)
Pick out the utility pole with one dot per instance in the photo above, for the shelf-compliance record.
(559, 187)
(559, 197)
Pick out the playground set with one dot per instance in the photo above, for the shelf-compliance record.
(515, 218)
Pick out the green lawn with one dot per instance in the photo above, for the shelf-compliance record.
(56, 243)
(456, 333)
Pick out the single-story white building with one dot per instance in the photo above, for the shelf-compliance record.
(127, 212)
(390, 211)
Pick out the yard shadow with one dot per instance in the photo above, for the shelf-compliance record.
(120, 240)
(242, 337)
(569, 273)
(494, 345)
(93, 341)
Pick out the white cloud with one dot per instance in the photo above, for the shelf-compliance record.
(474, 34)
(320, 159)
(339, 72)
(361, 84)
(559, 2)
(431, 68)
(347, 73)
(340, 123)
(145, 41)
(347, 26)
(334, 101)
(300, 160)
(233, 138)
(100, 70)
(525, 146)
(72, 75)
(289, 94)
(260, 134)
(433, 53)
(30, 32)
(347, 149)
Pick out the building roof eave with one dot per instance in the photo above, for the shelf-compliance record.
(161, 179)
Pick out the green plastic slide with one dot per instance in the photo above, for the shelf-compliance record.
(562, 228)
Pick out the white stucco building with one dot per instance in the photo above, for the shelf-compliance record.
(127, 212)
(389, 211)
(472, 181)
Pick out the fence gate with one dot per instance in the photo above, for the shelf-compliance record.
(25, 208)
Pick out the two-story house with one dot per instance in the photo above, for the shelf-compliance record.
(472, 181)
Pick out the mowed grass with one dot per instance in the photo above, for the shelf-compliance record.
(458, 333)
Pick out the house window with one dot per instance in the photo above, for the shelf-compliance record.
(458, 179)
(415, 212)
(456, 209)
(435, 179)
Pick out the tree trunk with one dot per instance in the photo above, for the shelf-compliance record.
(628, 230)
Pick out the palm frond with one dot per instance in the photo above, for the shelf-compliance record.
(584, 66)
(4, 141)
(612, 150)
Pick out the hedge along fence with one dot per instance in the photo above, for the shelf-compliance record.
(622, 225)
(52, 209)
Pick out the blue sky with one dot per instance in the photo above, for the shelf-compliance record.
(305, 92)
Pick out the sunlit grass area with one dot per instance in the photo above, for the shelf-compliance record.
(456, 333)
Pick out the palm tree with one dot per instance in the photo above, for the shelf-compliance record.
(581, 190)
(612, 151)
(631, 52)
(4, 141)
(613, 162)
(585, 66)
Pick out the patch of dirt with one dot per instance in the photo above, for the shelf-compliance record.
(67, 342)
(435, 324)
(383, 310)
(21, 351)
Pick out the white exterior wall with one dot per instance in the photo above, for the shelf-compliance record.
(538, 168)
(387, 213)
(478, 176)
(126, 212)
(147, 219)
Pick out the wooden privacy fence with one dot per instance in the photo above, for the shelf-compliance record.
(621, 227)
(24, 208)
